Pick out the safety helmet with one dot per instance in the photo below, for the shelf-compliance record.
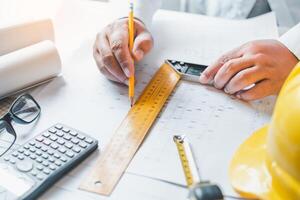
(267, 164)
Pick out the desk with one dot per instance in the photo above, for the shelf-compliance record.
(82, 92)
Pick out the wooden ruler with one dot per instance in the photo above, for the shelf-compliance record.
(125, 142)
(187, 160)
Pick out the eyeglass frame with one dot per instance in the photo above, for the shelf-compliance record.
(10, 116)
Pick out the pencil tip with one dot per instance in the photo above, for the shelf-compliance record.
(131, 101)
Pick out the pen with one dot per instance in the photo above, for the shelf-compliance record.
(131, 40)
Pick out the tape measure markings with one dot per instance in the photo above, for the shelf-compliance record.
(187, 160)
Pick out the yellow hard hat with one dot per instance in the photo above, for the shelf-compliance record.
(267, 165)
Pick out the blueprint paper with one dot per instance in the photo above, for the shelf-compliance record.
(214, 122)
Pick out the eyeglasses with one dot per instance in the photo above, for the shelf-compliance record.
(24, 110)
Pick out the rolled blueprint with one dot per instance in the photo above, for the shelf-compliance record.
(27, 67)
(19, 36)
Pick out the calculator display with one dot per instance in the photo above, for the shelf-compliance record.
(13, 184)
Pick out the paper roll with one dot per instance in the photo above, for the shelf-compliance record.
(22, 35)
(28, 66)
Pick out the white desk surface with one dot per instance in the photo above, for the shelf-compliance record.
(73, 98)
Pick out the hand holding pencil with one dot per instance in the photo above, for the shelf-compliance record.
(114, 55)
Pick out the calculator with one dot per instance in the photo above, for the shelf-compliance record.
(32, 168)
(188, 71)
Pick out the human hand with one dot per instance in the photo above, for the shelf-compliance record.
(111, 51)
(265, 63)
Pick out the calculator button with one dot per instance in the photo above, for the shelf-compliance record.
(50, 152)
(44, 149)
(32, 149)
(76, 149)
(12, 161)
(47, 142)
(66, 130)
(73, 133)
(61, 141)
(21, 150)
(81, 137)
(52, 130)
(24, 166)
(62, 150)
(26, 147)
(32, 143)
(46, 134)
(67, 137)
(53, 138)
(89, 140)
(20, 157)
(38, 152)
(56, 156)
(39, 139)
(45, 163)
(40, 167)
(70, 154)
(59, 134)
(75, 141)
(51, 159)
(40, 176)
(54, 146)
(14, 154)
(82, 144)
(39, 160)
(46, 171)
(52, 167)
(6, 158)
(69, 145)
(58, 126)
(33, 157)
(45, 156)
(26, 153)
(33, 173)
(38, 146)
(63, 159)
(58, 163)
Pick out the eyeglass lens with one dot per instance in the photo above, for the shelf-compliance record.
(25, 109)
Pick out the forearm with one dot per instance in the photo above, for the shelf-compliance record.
(143, 9)
(291, 40)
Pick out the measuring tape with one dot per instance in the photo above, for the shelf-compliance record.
(187, 160)
(199, 190)
(125, 142)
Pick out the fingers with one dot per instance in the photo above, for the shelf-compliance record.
(105, 59)
(260, 90)
(118, 42)
(208, 75)
(143, 43)
(231, 68)
(245, 78)
(102, 68)
(108, 75)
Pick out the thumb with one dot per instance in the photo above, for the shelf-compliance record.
(143, 43)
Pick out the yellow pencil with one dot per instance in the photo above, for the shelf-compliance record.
(131, 40)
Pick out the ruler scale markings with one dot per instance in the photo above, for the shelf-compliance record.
(117, 155)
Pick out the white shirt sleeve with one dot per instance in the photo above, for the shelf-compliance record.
(291, 40)
(143, 9)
